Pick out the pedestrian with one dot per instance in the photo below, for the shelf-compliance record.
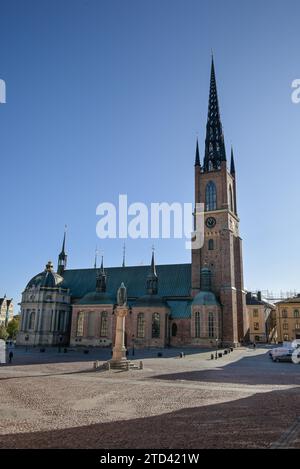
(10, 356)
(254, 345)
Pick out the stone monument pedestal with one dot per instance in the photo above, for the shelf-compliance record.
(119, 359)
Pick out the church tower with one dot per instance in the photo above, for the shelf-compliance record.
(215, 187)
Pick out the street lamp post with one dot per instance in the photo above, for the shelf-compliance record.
(217, 340)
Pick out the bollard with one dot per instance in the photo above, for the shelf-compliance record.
(141, 365)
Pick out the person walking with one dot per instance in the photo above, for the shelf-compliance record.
(10, 356)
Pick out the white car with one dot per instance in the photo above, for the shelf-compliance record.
(277, 352)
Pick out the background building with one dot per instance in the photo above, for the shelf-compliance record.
(6, 310)
(262, 318)
(288, 319)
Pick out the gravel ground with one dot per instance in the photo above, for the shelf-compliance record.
(243, 400)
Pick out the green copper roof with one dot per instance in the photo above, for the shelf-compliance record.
(180, 309)
(150, 300)
(207, 298)
(97, 298)
(173, 280)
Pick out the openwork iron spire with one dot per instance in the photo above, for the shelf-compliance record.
(214, 142)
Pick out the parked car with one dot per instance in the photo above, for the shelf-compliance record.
(275, 352)
(286, 357)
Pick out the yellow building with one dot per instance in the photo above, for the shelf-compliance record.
(288, 319)
(262, 319)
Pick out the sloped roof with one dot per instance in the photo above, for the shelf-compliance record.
(180, 309)
(174, 280)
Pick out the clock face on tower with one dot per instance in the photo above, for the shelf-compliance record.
(210, 222)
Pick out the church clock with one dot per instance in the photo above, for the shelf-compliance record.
(210, 222)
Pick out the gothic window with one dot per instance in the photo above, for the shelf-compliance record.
(296, 313)
(174, 330)
(231, 207)
(286, 326)
(211, 325)
(256, 326)
(141, 326)
(31, 320)
(255, 313)
(80, 324)
(210, 244)
(211, 196)
(104, 324)
(155, 325)
(197, 325)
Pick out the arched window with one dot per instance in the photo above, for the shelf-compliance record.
(296, 313)
(174, 330)
(104, 324)
(231, 205)
(197, 325)
(31, 320)
(211, 197)
(210, 244)
(80, 324)
(155, 325)
(141, 326)
(211, 325)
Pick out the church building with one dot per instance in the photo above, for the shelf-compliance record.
(201, 303)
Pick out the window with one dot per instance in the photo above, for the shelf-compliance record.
(61, 321)
(211, 325)
(211, 196)
(155, 326)
(255, 313)
(285, 326)
(210, 244)
(256, 326)
(141, 326)
(31, 320)
(197, 325)
(297, 325)
(231, 206)
(80, 324)
(296, 313)
(284, 313)
(174, 330)
(104, 324)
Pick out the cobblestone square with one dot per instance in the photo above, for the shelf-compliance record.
(57, 400)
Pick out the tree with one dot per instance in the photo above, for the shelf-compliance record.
(3, 332)
(13, 327)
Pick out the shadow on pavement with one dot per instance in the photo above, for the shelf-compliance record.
(252, 422)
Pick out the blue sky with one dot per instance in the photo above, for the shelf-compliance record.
(107, 97)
